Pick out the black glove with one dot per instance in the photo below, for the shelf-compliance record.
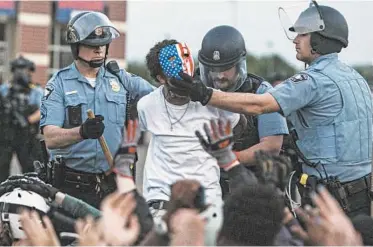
(15, 182)
(195, 89)
(10, 185)
(92, 128)
(41, 188)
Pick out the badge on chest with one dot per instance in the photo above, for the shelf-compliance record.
(114, 85)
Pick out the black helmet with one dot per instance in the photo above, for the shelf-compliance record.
(90, 28)
(21, 63)
(328, 28)
(223, 51)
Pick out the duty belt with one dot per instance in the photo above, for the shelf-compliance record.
(90, 181)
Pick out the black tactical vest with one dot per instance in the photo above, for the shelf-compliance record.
(250, 136)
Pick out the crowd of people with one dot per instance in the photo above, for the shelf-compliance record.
(228, 152)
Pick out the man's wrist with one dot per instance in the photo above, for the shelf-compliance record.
(229, 166)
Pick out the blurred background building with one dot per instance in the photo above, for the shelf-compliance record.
(36, 30)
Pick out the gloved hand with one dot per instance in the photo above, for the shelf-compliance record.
(126, 154)
(16, 181)
(10, 185)
(219, 142)
(195, 89)
(92, 128)
(41, 188)
(273, 169)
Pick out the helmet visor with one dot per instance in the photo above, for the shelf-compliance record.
(228, 80)
(295, 20)
(94, 22)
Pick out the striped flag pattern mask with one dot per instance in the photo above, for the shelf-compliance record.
(176, 58)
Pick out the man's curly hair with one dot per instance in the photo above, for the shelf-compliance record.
(152, 58)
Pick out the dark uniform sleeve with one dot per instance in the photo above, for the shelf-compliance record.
(295, 93)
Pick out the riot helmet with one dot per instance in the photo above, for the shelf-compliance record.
(22, 63)
(327, 26)
(91, 29)
(222, 59)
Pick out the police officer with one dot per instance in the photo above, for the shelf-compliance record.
(329, 105)
(222, 65)
(87, 84)
(20, 118)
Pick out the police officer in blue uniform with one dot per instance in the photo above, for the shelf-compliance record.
(222, 65)
(87, 84)
(329, 105)
(20, 118)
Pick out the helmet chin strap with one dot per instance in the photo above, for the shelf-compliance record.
(93, 63)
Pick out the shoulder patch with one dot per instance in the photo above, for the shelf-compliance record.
(47, 91)
(299, 77)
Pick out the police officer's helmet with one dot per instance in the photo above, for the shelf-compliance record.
(222, 58)
(22, 63)
(329, 37)
(90, 28)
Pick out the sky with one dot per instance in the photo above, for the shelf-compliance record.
(151, 21)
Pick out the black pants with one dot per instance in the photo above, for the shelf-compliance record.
(86, 187)
(27, 149)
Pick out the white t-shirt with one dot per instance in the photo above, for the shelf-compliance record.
(177, 154)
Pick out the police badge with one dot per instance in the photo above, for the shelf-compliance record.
(114, 85)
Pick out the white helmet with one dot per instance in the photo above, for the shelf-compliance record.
(13, 201)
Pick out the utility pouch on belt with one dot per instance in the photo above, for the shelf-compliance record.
(338, 192)
(57, 171)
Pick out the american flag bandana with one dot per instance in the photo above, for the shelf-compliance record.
(176, 58)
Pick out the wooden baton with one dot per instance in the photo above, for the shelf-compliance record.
(104, 146)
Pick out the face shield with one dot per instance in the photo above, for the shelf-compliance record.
(92, 22)
(225, 79)
(295, 20)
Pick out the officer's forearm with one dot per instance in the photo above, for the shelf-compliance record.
(57, 137)
(34, 117)
(270, 144)
(246, 103)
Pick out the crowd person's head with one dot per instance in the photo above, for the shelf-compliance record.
(11, 204)
(252, 216)
(22, 70)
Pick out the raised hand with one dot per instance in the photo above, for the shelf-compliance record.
(219, 142)
(90, 232)
(327, 224)
(120, 224)
(35, 232)
(126, 154)
(273, 168)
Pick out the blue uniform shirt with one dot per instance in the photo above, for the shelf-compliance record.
(35, 95)
(270, 124)
(69, 89)
(330, 107)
